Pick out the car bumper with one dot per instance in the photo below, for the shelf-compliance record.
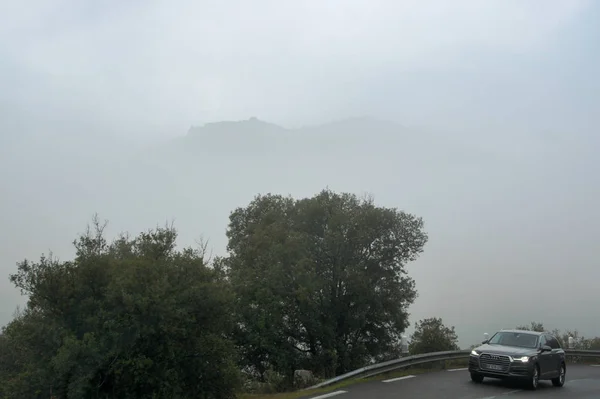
(515, 369)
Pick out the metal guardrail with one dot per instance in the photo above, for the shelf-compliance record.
(403, 362)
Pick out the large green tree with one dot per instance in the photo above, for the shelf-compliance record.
(135, 318)
(431, 335)
(321, 281)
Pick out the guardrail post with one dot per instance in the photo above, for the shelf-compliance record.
(486, 336)
(571, 342)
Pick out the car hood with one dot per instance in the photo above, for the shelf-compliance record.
(505, 350)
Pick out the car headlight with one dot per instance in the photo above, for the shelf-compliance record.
(474, 353)
(523, 359)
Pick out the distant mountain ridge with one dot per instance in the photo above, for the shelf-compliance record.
(255, 125)
(249, 126)
(355, 137)
(256, 134)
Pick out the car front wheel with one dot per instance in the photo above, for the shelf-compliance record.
(534, 378)
(560, 380)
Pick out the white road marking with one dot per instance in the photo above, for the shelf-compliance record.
(329, 395)
(399, 378)
(502, 394)
(595, 365)
(461, 369)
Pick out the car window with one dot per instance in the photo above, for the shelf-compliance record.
(552, 342)
(559, 346)
(512, 338)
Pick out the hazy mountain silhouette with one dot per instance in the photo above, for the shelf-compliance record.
(256, 138)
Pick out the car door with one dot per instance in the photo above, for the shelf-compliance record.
(544, 358)
(556, 351)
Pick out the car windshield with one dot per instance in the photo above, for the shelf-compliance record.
(519, 339)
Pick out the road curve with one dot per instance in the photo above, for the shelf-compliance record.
(583, 382)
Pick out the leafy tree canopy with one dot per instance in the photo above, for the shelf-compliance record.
(431, 335)
(135, 318)
(321, 281)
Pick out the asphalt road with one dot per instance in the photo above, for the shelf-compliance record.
(583, 382)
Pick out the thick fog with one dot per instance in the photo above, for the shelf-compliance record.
(481, 117)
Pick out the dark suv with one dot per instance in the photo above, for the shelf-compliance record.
(526, 355)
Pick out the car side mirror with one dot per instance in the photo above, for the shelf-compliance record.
(545, 348)
(484, 341)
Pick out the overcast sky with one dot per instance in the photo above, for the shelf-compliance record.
(476, 70)
(171, 63)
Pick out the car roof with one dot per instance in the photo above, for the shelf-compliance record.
(524, 331)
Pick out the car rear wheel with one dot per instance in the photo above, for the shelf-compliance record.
(534, 379)
(560, 380)
(476, 377)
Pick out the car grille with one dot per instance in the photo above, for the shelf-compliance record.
(494, 363)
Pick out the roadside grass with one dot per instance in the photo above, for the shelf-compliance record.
(421, 369)
(583, 360)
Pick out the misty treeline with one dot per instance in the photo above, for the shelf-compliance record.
(316, 284)
(579, 341)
